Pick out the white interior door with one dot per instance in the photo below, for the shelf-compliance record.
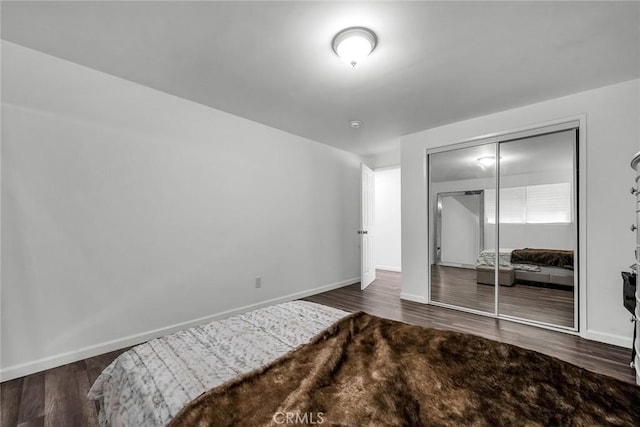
(367, 220)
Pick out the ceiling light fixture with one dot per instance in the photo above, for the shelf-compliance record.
(487, 160)
(355, 124)
(354, 44)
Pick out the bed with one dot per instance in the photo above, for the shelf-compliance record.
(150, 383)
(539, 266)
(307, 363)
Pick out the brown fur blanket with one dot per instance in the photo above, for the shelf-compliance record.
(544, 257)
(368, 371)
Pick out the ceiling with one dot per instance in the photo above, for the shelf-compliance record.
(271, 62)
(535, 155)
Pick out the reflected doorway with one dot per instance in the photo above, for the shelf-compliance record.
(459, 228)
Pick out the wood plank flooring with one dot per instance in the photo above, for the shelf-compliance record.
(54, 398)
(57, 397)
(382, 298)
(458, 286)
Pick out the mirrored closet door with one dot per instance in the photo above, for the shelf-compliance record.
(538, 228)
(503, 212)
(457, 202)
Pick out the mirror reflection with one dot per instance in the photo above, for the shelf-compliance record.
(457, 193)
(533, 248)
(537, 227)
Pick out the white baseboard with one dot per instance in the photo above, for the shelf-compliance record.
(413, 297)
(387, 268)
(613, 339)
(22, 369)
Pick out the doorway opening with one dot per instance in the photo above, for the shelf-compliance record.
(459, 224)
(380, 218)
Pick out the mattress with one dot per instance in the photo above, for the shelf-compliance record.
(150, 383)
(488, 258)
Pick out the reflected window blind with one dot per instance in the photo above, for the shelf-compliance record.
(533, 204)
(490, 205)
(512, 205)
(549, 203)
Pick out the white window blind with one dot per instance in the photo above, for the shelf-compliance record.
(490, 205)
(549, 203)
(512, 205)
(533, 204)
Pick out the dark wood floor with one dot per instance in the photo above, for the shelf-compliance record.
(54, 398)
(382, 298)
(458, 286)
(57, 397)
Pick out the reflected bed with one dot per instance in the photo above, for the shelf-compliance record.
(536, 266)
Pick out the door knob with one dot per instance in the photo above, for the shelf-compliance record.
(633, 227)
(634, 190)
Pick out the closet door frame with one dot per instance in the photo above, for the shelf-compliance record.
(577, 122)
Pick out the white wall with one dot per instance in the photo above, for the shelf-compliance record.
(612, 135)
(388, 222)
(385, 159)
(520, 236)
(128, 213)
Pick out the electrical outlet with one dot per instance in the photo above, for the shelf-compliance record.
(258, 282)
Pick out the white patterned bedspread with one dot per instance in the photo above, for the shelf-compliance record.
(149, 384)
(488, 257)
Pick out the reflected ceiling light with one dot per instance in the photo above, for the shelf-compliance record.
(355, 124)
(487, 160)
(354, 44)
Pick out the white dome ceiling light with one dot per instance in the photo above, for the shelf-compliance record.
(354, 44)
(487, 160)
(355, 124)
